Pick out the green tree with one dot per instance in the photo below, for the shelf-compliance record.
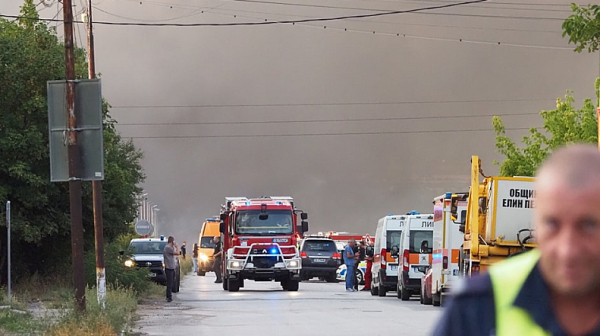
(583, 27)
(563, 125)
(30, 55)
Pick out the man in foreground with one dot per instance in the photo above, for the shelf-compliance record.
(555, 289)
(169, 254)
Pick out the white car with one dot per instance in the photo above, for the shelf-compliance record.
(360, 275)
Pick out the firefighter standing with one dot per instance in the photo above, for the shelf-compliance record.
(369, 258)
(218, 255)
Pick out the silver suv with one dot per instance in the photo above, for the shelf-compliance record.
(148, 252)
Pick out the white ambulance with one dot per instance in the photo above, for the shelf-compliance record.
(447, 242)
(415, 251)
(384, 271)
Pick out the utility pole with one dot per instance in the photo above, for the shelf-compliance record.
(96, 185)
(74, 161)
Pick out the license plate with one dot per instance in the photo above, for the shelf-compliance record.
(320, 260)
(393, 267)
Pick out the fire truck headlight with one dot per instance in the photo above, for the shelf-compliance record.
(235, 264)
(203, 257)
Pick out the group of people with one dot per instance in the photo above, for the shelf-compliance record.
(353, 255)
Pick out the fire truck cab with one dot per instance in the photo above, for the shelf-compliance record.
(260, 241)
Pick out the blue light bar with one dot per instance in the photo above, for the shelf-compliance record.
(274, 250)
(448, 195)
(248, 203)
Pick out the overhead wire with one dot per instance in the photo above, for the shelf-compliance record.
(208, 10)
(321, 19)
(330, 103)
(318, 134)
(322, 120)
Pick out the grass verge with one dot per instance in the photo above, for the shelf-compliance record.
(186, 265)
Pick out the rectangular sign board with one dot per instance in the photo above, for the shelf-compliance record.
(88, 111)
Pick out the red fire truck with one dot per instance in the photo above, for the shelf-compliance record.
(260, 241)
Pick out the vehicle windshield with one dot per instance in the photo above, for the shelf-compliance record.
(207, 242)
(148, 247)
(319, 246)
(278, 222)
(393, 239)
(421, 242)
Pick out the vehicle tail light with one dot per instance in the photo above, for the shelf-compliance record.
(336, 256)
(383, 256)
(303, 255)
(405, 256)
(445, 262)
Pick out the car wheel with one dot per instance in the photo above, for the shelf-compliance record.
(381, 290)
(373, 289)
(405, 294)
(293, 285)
(426, 300)
(436, 300)
(421, 296)
(225, 284)
(331, 278)
(398, 291)
(234, 285)
(360, 278)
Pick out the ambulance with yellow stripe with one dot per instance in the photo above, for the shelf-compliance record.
(447, 241)
(415, 253)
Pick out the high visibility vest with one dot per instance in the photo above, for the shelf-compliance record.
(508, 278)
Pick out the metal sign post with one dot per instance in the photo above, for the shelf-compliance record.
(8, 247)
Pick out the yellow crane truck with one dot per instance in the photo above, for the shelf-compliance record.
(499, 221)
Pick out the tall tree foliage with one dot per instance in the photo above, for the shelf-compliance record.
(583, 27)
(563, 125)
(30, 55)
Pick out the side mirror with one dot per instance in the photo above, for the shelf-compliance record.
(304, 216)
(395, 251)
(454, 208)
(304, 226)
(121, 252)
(222, 227)
(223, 216)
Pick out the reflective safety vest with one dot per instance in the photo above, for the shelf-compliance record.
(507, 279)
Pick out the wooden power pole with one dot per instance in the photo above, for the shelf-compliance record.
(96, 185)
(74, 161)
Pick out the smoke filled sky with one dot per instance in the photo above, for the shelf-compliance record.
(249, 98)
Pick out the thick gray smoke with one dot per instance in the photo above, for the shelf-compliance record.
(344, 182)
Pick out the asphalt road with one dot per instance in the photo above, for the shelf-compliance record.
(263, 308)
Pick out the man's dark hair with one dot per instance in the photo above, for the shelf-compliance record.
(171, 239)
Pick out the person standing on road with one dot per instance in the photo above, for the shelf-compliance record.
(369, 258)
(349, 260)
(218, 255)
(360, 251)
(195, 257)
(183, 250)
(169, 254)
(555, 288)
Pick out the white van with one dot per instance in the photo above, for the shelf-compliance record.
(416, 247)
(384, 271)
(447, 241)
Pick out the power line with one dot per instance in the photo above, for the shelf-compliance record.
(323, 19)
(208, 10)
(325, 104)
(321, 120)
(315, 134)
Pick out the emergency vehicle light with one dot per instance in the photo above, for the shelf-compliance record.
(248, 203)
(273, 251)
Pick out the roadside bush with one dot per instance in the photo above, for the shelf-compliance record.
(121, 304)
(186, 265)
(117, 274)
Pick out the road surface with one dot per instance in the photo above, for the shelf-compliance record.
(262, 308)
